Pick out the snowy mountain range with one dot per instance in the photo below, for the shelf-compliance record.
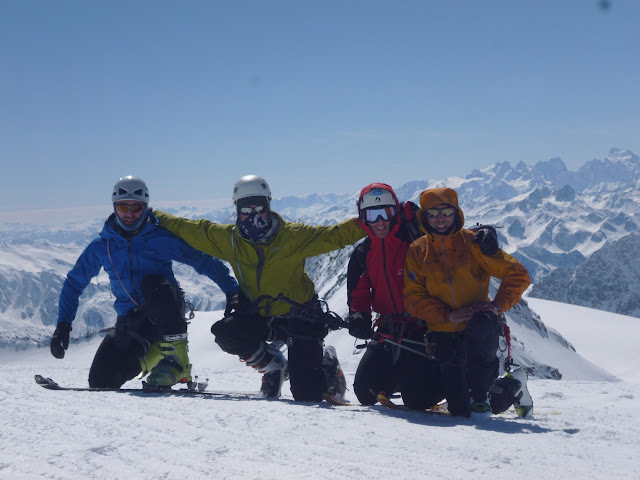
(552, 219)
(608, 280)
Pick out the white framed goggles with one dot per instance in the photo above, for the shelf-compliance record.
(249, 210)
(371, 215)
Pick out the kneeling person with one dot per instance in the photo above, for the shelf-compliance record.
(151, 331)
(268, 257)
(447, 285)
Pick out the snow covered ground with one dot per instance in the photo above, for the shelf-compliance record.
(581, 429)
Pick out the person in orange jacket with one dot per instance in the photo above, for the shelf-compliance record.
(447, 285)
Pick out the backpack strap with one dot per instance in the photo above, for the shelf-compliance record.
(357, 266)
(409, 216)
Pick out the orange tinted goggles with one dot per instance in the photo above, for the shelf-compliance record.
(124, 208)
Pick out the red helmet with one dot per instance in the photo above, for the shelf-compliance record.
(377, 196)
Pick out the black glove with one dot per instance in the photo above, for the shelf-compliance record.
(487, 239)
(360, 326)
(60, 339)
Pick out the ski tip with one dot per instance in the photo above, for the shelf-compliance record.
(337, 401)
(46, 382)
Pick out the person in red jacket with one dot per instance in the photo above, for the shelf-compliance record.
(375, 281)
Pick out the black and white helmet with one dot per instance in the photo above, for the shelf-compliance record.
(130, 188)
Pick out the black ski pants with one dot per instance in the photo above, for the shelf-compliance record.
(242, 335)
(387, 368)
(378, 371)
(467, 360)
(162, 313)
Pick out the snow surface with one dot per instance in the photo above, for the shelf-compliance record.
(608, 339)
(581, 429)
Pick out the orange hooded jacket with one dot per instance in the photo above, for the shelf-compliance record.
(447, 272)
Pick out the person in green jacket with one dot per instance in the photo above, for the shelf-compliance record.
(268, 256)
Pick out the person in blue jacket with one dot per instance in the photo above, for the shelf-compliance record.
(150, 334)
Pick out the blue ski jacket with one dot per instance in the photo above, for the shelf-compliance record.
(128, 260)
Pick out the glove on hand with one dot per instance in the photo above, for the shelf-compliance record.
(360, 326)
(60, 339)
(487, 239)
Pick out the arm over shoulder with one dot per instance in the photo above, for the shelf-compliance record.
(312, 241)
(203, 235)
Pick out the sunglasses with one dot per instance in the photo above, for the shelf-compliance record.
(124, 208)
(371, 215)
(259, 209)
(434, 212)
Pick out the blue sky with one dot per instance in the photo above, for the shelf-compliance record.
(316, 96)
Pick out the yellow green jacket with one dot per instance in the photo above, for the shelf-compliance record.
(271, 267)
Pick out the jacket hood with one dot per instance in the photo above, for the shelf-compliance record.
(373, 186)
(436, 196)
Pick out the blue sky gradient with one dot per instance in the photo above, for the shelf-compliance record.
(314, 96)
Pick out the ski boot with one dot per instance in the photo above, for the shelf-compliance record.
(480, 403)
(269, 361)
(333, 374)
(523, 402)
(480, 410)
(174, 366)
(511, 389)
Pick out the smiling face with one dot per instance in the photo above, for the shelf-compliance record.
(440, 223)
(380, 228)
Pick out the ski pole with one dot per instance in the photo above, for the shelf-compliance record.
(385, 338)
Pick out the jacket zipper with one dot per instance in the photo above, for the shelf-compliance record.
(134, 290)
(386, 276)
(261, 258)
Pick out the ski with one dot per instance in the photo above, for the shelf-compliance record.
(385, 401)
(337, 401)
(49, 384)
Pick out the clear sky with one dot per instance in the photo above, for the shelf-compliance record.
(316, 96)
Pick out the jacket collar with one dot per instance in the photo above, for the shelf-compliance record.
(111, 230)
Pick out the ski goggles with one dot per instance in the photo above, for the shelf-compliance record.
(124, 208)
(372, 215)
(259, 209)
(445, 212)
